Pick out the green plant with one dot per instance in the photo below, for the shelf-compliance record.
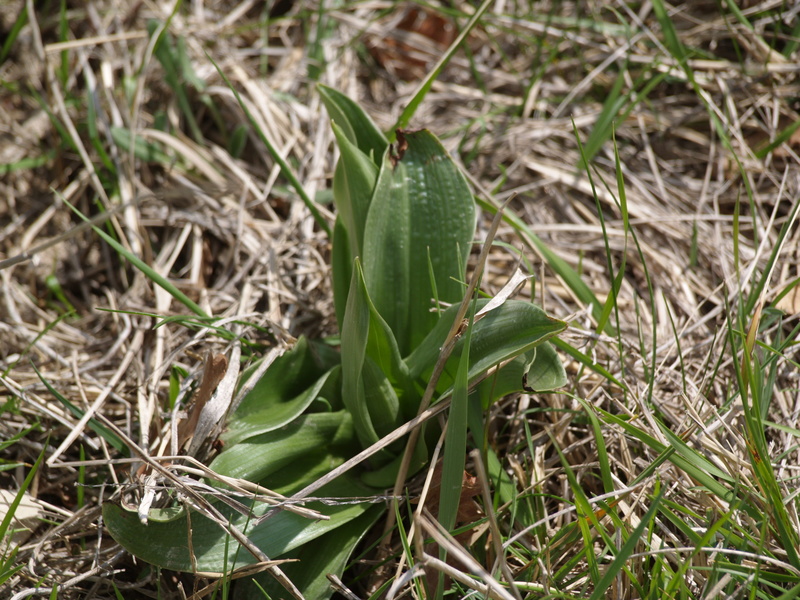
(405, 226)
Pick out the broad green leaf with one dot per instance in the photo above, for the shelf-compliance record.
(353, 185)
(421, 220)
(381, 346)
(539, 369)
(385, 476)
(544, 370)
(341, 269)
(274, 414)
(259, 456)
(279, 396)
(166, 539)
(366, 391)
(513, 328)
(359, 128)
(328, 554)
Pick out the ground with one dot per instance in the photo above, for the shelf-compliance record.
(651, 150)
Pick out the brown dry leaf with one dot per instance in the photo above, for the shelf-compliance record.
(213, 372)
(790, 303)
(416, 37)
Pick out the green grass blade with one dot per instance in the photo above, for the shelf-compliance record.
(100, 429)
(757, 290)
(13, 34)
(276, 156)
(602, 452)
(783, 136)
(168, 53)
(625, 552)
(455, 449)
(427, 83)
(586, 518)
(12, 507)
(567, 274)
(586, 361)
(148, 271)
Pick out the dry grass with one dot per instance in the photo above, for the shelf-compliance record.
(231, 233)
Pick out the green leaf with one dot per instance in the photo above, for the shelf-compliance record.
(259, 456)
(455, 448)
(385, 476)
(137, 262)
(275, 414)
(383, 354)
(539, 369)
(366, 391)
(357, 126)
(328, 554)
(341, 269)
(421, 219)
(11, 509)
(353, 185)
(286, 169)
(281, 395)
(544, 370)
(513, 328)
(427, 83)
(571, 278)
(624, 554)
(166, 539)
(143, 149)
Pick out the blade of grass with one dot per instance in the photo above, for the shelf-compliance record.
(137, 262)
(12, 507)
(678, 51)
(570, 277)
(586, 517)
(784, 135)
(276, 156)
(93, 424)
(12, 35)
(427, 83)
(617, 278)
(757, 443)
(602, 452)
(625, 552)
(586, 361)
(455, 449)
